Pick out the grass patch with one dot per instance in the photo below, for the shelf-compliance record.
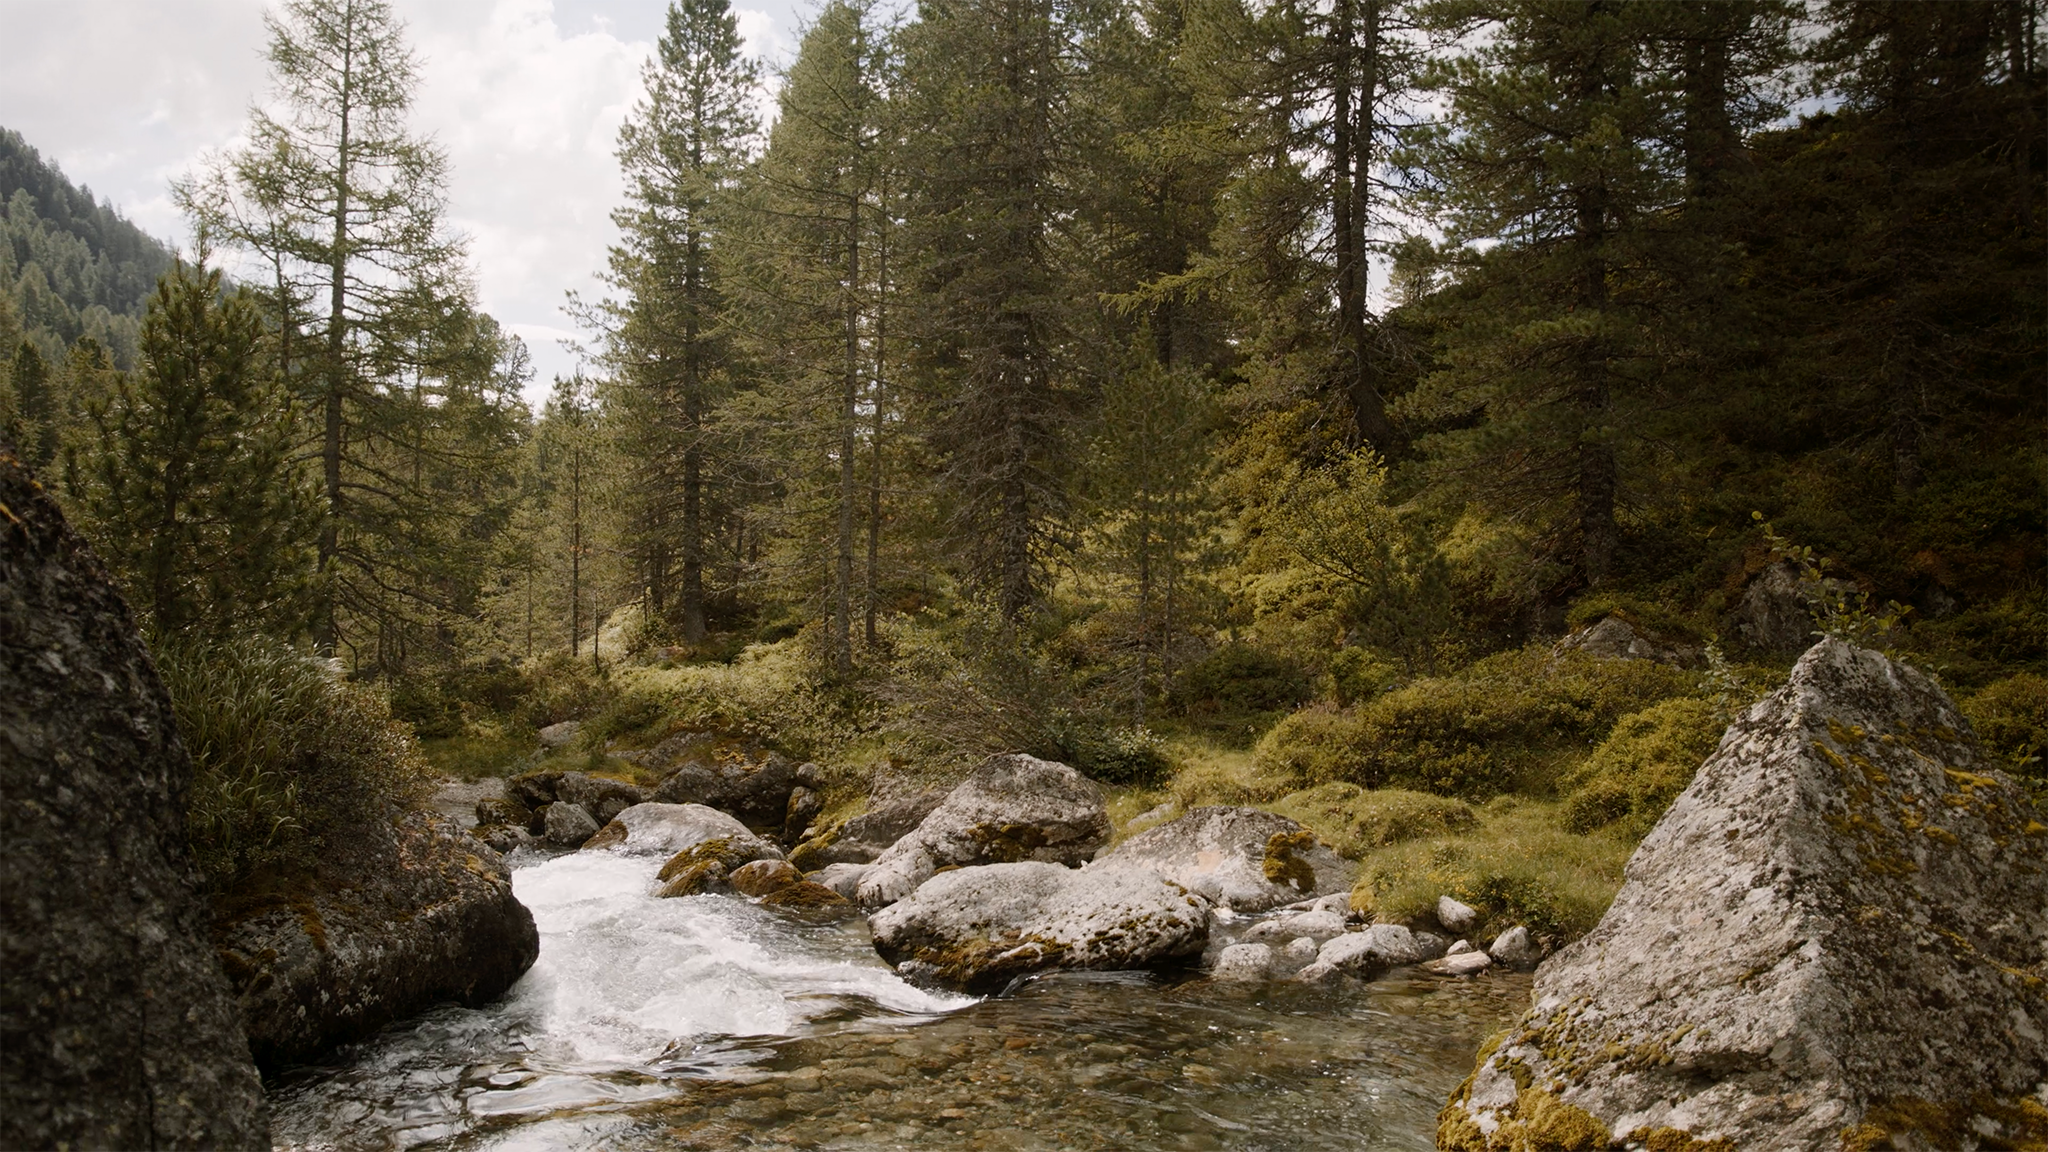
(1516, 866)
(479, 752)
(1642, 766)
(1357, 823)
(288, 758)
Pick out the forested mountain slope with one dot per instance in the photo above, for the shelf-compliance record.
(70, 266)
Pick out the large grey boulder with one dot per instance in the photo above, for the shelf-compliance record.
(1242, 859)
(864, 837)
(756, 791)
(1776, 614)
(117, 1028)
(391, 922)
(568, 825)
(1012, 808)
(978, 928)
(1836, 937)
(666, 829)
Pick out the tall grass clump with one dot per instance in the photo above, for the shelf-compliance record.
(287, 756)
(1507, 724)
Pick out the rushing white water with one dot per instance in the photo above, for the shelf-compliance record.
(628, 989)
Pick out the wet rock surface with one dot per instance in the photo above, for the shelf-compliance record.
(1836, 937)
(117, 1028)
(396, 921)
(1012, 808)
(1242, 859)
(978, 928)
(757, 791)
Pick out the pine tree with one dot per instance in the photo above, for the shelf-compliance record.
(188, 482)
(986, 86)
(668, 343)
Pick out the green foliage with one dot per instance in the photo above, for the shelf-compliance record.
(1239, 687)
(1516, 866)
(2011, 718)
(287, 756)
(1633, 776)
(1502, 725)
(1357, 822)
(1358, 674)
(1658, 620)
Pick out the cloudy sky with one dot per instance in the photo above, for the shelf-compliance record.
(525, 95)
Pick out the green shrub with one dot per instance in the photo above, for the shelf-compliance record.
(1641, 767)
(560, 687)
(1356, 822)
(2011, 718)
(286, 754)
(1359, 674)
(1239, 686)
(1125, 756)
(628, 714)
(1643, 615)
(1503, 725)
(1515, 867)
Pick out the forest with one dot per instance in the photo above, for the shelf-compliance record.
(1236, 401)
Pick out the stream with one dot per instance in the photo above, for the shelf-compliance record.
(708, 1023)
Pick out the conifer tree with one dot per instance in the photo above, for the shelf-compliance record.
(189, 483)
(669, 344)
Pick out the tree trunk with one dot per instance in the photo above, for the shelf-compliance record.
(849, 401)
(325, 635)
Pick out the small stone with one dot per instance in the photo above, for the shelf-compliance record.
(1455, 915)
(804, 894)
(1459, 949)
(1243, 962)
(1469, 963)
(569, 825)
(1300, 950)
(762, 877)
(841, 878)
(694, 880)
(1322, 925)
(560, 735)
(1514, 948)
(1274, 929)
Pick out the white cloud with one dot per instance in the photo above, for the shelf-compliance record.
(525, 95)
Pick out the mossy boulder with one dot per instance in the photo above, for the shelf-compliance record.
(977, 928)
(666, 829)
(1011, 809)
(1238, 858)
(1837, 936)
(805, 896)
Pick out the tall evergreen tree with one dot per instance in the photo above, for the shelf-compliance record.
(189, 481)
(669, 346)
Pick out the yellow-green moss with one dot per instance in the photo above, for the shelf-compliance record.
(803, 895)
(1282, 866)
(1536, 1122)
(723, 851)
(2021, 1124)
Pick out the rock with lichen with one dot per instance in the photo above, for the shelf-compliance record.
(1010, 809)
(862, 838)
(1237, 858)
(117, 1026)
(666, 829)
(1837, 937)
(978, 928)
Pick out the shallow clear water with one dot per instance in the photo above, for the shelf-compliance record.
(709, 1023)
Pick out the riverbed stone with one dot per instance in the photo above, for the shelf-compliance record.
(860, 839)
(757, 791)
(1514, 948)
(1369, 953)
(841, 878)
(1012, 808)
(1300, 951)
(1240, 859)
(117, 1027)
(979, 927)
(804, 896)
(655, 829)
(1455, 915)
(1243, 962)
(569, 825)
(387, 924)
(560, 735)
(1468, 963)
(1837, 936)
(761, 877)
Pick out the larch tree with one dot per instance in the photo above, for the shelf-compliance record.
(406, 384)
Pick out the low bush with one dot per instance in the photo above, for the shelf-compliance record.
(286, 754)
(1643, 615)
(1515, 866)
(2011, 718)
(1642, 766)
(1357, 822)
(1359, 674)
(1238, 689)
(1505, 724)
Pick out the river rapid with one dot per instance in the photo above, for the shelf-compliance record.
(708, 1023)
